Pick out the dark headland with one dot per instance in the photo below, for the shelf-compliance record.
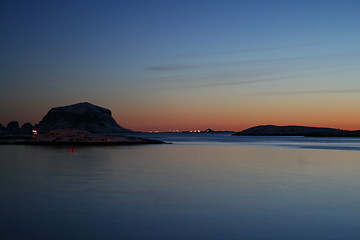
(272, 130)
(77, 124)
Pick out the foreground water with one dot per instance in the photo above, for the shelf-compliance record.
(212, 186)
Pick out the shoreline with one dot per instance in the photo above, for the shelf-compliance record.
(74, 137)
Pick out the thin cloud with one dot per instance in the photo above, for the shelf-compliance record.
(248, 50)
(171, 67)
(337, 91)
(184, 67)
(220, 84)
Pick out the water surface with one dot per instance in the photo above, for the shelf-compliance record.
(200, 187)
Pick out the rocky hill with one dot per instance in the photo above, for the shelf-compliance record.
(81, 116)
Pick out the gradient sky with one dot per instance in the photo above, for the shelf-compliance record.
(163, 65)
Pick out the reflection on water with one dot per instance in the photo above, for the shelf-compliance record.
(179, 191)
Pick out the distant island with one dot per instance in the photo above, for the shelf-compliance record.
(272, 130)
(77, 124)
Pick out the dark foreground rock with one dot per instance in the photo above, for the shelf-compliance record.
(13, 127)
(2, 129)
(81, 116)
(271, 130)
(77, 137)
(27, 128)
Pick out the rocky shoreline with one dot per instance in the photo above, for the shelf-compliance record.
(74, 137)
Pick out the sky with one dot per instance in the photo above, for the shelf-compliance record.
(184, 65)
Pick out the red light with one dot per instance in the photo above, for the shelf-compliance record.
(72, 150)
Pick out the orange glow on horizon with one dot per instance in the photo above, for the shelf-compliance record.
(237, 125)
(230, 112)
(317, 115)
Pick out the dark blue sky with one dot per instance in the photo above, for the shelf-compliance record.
(165, 60)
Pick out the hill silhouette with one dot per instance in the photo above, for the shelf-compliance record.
(81, 116)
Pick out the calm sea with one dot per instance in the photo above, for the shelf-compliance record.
(203, 186)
